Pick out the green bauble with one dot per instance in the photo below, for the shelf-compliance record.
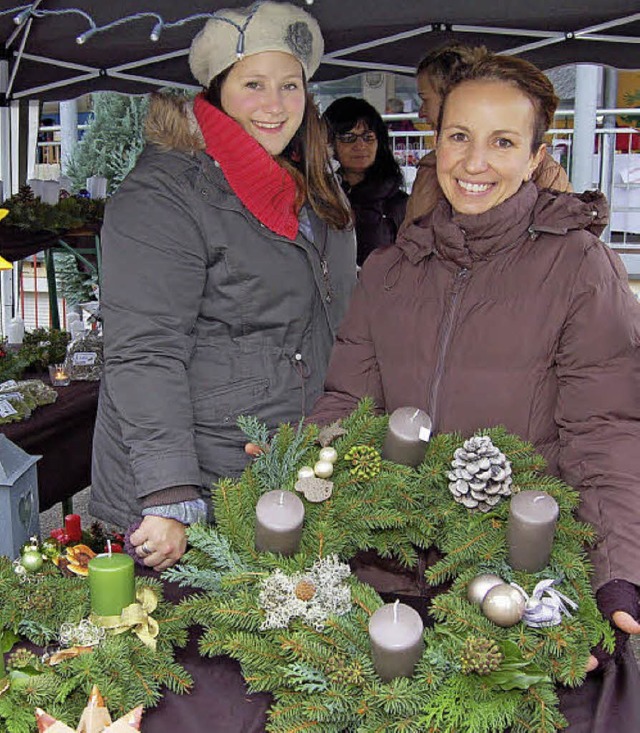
(31, 560)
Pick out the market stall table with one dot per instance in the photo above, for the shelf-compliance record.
(220, 701)
(62, 433)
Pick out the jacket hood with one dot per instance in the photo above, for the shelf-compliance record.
(172, 125)
(529, 212)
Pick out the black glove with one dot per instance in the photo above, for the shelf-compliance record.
(616, 595)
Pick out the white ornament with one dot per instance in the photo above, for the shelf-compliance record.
(323, 469)
(504, 605)
(306, 472)
(328, 454)
(481, 585)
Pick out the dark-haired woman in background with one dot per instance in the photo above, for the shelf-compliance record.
(371, 176)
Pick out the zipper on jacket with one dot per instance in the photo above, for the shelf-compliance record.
(445, 338)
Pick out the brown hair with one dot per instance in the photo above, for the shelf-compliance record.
(443, 64)
(524, 76)
(306, 158)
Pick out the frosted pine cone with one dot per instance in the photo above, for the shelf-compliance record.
(480, 475)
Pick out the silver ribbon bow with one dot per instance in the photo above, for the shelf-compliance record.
(546, 605)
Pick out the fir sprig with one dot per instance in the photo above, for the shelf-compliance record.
(324, 680)
(127, 672)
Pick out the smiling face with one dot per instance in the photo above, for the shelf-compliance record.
(357, 157)
(484, 145)
(265, 94)
(430, 97)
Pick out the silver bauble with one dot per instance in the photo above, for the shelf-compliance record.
(481, 585)
(504, 605)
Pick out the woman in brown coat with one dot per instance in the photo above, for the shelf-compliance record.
(503, 308)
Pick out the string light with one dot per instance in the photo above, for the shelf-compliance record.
(24, 12)
(157, 30)
(22, 17)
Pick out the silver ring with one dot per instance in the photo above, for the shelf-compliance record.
(146, 550)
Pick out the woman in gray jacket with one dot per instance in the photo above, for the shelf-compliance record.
(229, 257)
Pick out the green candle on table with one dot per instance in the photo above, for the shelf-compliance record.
(111, 583)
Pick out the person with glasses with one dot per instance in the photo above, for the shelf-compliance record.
(370, 175)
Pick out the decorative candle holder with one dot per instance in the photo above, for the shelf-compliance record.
(59, 375)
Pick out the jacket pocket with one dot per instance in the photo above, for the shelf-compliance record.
(219, 441)
(225, 404)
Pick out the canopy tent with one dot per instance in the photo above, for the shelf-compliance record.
(45, 61)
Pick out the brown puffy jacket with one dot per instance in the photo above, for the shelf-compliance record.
(425, 192)
(517, 317)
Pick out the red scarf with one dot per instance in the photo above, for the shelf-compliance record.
(263, 186)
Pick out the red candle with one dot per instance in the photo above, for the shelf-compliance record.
(73, 527)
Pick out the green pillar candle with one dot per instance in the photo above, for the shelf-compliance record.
(111, 584)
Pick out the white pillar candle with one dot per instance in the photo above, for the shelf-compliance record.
(279, 519)
(15, 332)
(531, 529)
(407, 436)
(395, 633)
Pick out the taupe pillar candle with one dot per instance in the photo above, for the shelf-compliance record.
(407, 436)
(279, 520)
(395, 633)
(531, 529)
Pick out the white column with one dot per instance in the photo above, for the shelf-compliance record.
(5, 133)
(6, 285)
(15, 145)
(588, 85)
(609, 142)
(68, 131)
(32, 146)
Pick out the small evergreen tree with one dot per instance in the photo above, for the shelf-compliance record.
(112, 142)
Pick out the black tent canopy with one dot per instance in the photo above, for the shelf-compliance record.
(46, 62)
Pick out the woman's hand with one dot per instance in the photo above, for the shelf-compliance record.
(253, 450)
(159, 542)
(612, 598)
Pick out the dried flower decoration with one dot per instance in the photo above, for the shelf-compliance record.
(282, 600)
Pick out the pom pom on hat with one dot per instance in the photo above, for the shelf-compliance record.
(234, 33)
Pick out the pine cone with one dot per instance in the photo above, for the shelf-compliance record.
(305, 590)
(480, 475)
(366, 461)
(25, 195)
(480, 655)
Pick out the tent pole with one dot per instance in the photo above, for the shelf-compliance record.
(588, 84)
(609, 141)
(6, 285)
(68, 132)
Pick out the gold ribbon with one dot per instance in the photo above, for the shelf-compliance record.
(136, 617)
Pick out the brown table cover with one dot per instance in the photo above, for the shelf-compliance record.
(607, 702)
(62, 433)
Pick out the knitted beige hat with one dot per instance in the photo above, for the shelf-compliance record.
(232, 34)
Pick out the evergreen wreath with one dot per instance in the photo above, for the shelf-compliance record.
(321, 675)
(127, 672)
